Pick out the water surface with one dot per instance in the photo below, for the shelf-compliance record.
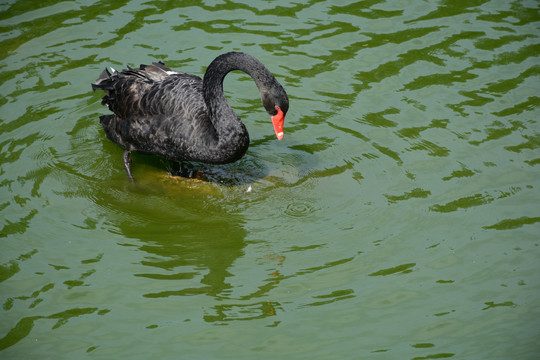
(398, 219)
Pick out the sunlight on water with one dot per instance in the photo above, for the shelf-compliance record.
(398, 218)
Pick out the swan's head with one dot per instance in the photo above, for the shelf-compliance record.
(276, 103)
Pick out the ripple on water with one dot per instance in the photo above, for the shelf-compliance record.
(299, 209)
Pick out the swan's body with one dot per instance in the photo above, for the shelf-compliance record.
(182, 117)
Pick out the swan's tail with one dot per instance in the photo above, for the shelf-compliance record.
(105, 82)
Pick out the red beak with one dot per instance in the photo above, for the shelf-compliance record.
(278, 120)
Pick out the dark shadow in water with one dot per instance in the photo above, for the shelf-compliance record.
(245, 171)
(190, 234)
(200, 252)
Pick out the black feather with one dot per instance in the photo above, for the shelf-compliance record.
(179, 116)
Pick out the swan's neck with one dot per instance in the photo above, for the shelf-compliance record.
(231, 132)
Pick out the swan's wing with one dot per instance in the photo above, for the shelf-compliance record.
(149, 90)
(177, 95)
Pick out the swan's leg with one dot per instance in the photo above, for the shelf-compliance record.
(174, 169)
(127, 165)
(185, 171)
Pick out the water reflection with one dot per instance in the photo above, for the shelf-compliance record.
(189, 245)
(204, 251)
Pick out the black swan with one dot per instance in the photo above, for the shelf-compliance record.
(181, 117)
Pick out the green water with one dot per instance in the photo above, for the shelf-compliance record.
(398, 219)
